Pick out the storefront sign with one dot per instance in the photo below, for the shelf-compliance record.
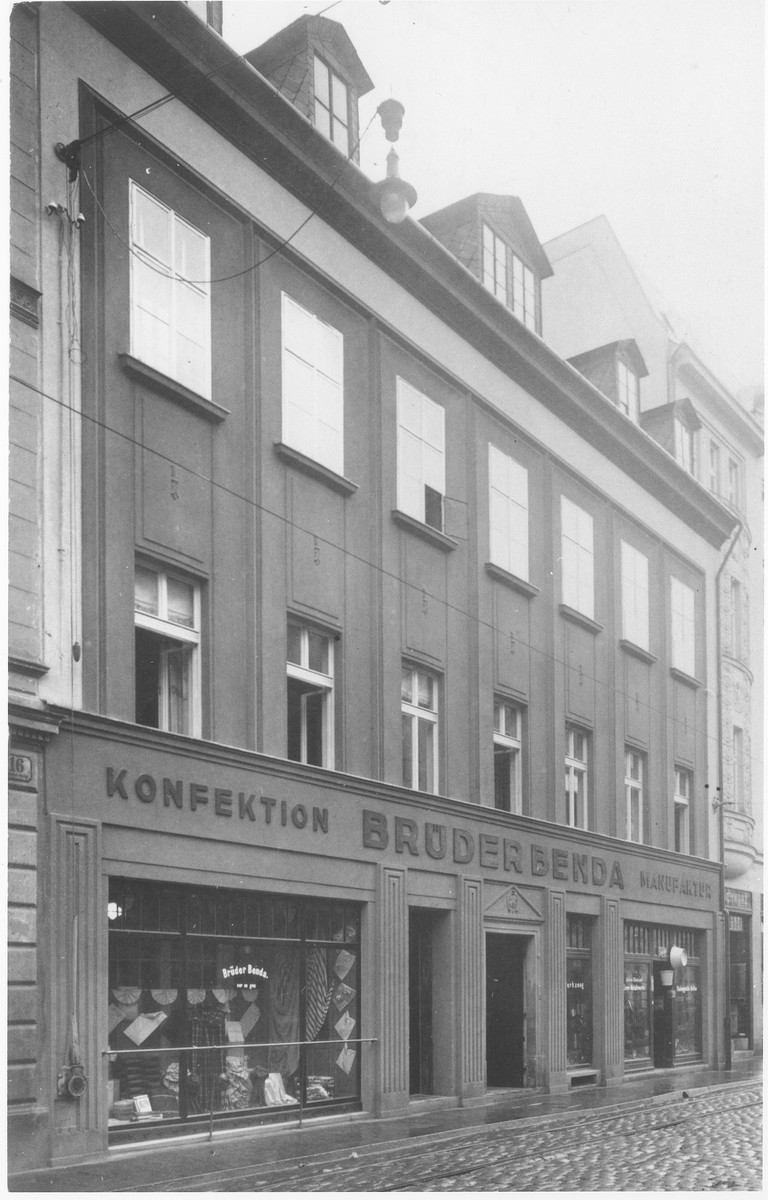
(736, 899)
(244, 975)
(488, 850)
(677, 885)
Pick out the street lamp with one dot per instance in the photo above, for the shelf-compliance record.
(392, 195)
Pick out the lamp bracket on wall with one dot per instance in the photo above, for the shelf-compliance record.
(70, 156)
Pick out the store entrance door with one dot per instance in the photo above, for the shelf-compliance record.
(505, 1009)
(663, 1020)
(420, 1001)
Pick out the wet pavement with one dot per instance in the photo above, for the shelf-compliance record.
(688, 1130)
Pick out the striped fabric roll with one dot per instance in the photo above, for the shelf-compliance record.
(318, 993)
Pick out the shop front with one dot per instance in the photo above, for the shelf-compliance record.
(241, 940)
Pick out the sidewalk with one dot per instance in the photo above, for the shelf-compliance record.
(153, 1166)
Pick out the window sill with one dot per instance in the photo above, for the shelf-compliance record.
(637, 651)
(577, 618)
(172, 390)
(513, 581)
(309, 466)
(425, 532)
(683, 677)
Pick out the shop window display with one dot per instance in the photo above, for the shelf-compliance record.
(653, 1014)
(578, 985)
(223, 1002)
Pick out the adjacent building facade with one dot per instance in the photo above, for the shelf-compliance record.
(364, 655)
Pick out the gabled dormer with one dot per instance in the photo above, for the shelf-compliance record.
(616, 370)
(494, 238)
(313, 63)
(674, 426)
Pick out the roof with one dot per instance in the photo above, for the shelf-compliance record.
(506, 208)
(296, 36)
(628, 347)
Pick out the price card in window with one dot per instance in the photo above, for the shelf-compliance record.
(142, 1104)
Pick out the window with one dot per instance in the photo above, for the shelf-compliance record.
(167, 621)
(331, 106)
(507, 755)
(577, 557)
(628, 390)
(736, 619)
(420, 455)
(170, 296)
(739, 797)
(495, 264)
(523, 292)
(683, 628)
(420, 730)
(634, 790)
(733, 482)
(682, 801)
(578, 985)
(714, 468)
(576, 777)
(310, 696)
(634, 596)
(684, 445)
(313, 386)
(508, 513)
(199, 7)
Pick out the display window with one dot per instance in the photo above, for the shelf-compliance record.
(662, 1021)
(226, 1003)
(740, 982)
(578, 984)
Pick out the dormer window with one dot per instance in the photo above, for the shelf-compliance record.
(331, 106)
(495, 264)
(523, 292)
(628, 390)
(684, 445)
(516, 288)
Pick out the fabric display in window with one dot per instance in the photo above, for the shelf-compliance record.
(274, 1092)
(250, 1018)
(224, 995)
(284, 1010)
(164, 996)
(247, 994)
(344, 1026)
(195, 995)
(343, 995)
(236, 1090)
(127, 995)
(318, 995)
(344, 963)
(171, 1078)
(145, 1025)
(206, 1028)
(115, 1017)
(346, 1060)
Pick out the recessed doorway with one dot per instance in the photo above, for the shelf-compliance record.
(505, 1009)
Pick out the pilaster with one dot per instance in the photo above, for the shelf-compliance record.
(556, 1000)
(392, 905)
(472, 989)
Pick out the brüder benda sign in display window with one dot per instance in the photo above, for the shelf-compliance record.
(226, 1004)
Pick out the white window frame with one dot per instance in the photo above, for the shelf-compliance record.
(320, 683)
(199, 8)
(683, 610)
(635, 599)
(635, 771)
(682, 809)
(523, 292)
(312, 385)
(577, 777)
(420, 452)
(411, 716)
(734, 482)
(684, 446)
(334, 115)
(507, 741)
(508, 512)
(714, 468)
(578, 557)
(194, 375)
(495, 264)
(628, 386)
(185, 638)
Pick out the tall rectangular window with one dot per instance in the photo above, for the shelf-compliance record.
(634, 596)
(733, 483)
(634, 792)
(683, 628)
(739, 797)
(310, 696)
(418, 693)
(578, 558)
(420, 455)
(170, 293)
(523, 292)
(578, 984)
(684, 446)
(628, 390)
(331, 106)
(495, 264)
(576, 777)
(313, 386)
(737, 648)
(167, 638)
(714, 468)
(507, 755)
(508, 513)
(682, 803)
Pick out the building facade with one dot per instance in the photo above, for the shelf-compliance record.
(595, 296)
(327, 572)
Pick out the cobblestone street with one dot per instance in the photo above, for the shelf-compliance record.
(706, 1143)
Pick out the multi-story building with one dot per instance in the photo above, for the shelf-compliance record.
(326, 573)
(595, 304)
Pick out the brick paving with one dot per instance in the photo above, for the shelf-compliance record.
(710, 1142)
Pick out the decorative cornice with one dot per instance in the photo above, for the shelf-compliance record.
(512, 581)
(32, 726)
(27, 666)
(172, 390)
(637, 651)
(577, 618)
(302, 462)
(25, 302)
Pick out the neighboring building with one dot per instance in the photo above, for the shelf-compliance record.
(594, 294)
(327, 573)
